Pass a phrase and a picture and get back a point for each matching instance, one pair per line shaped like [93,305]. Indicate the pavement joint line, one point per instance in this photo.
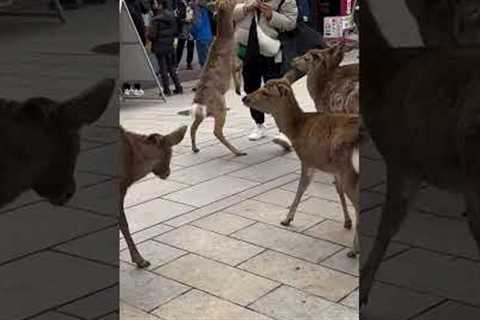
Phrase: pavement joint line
[115,312]
[170,300]
[35,252]
[137,204]
[428,309]
[76,316]
[66,253]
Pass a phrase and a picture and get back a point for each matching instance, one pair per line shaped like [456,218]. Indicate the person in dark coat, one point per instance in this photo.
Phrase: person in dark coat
[163,30]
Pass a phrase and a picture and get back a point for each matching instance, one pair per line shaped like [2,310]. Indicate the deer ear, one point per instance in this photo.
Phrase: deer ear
[176,136]
[88,106]
[283,88]
[153,138]
[36,108]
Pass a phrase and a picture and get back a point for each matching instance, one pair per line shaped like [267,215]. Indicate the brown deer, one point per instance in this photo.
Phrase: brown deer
[322,141]
[141,155]
[215,81]
[40,142]
[422,109]
[333,89]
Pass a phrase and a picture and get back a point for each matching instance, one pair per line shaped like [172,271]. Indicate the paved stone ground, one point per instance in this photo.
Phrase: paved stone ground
[62,263]
[212,229]
[432,268]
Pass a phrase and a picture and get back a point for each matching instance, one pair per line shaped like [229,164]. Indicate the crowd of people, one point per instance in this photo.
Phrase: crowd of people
[173,25]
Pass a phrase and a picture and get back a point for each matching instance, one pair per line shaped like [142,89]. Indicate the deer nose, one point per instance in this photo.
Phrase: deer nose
[245,100]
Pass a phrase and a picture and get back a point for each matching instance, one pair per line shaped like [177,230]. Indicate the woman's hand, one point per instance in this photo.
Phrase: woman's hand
[265,9]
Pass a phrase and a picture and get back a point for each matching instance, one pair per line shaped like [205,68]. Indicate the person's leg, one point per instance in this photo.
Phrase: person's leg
[252,81]
[172,70]
[190,50]
[162,67]
[180,47]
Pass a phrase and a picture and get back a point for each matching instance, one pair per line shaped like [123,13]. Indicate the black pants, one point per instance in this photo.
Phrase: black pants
[256,70]
[167,66]
[190,50]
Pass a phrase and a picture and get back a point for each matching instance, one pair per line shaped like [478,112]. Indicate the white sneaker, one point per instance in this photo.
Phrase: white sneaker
[138,92]
[128,92]
[282,141]
[257,133]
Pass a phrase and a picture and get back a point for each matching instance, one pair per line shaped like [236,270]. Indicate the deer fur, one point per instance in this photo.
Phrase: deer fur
[422,109]
[322,141]
[40,142]
[141,155]
[209,100]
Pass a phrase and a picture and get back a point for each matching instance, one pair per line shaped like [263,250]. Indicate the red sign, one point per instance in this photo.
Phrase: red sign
[346,7]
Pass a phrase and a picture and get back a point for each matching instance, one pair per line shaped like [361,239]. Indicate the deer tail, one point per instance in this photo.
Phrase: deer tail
[199,110]
[356,159]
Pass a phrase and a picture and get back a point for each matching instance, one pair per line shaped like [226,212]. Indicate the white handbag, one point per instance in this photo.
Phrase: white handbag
[269,47]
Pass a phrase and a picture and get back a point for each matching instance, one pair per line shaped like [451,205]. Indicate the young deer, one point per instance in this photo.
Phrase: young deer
[327,142]
[333,89]
[215,81]
[422,109]
[142,154]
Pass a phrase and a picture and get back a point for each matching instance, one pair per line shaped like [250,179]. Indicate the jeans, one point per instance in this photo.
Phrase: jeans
[167,66]
[262,68]
[190,50]
[202,50]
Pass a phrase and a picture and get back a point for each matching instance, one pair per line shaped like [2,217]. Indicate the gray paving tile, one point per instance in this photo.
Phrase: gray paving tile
[103,160]
[332,231]
[287,303]
[57,279]
[218,279]
[319,190]
[102,198]
[407,303]
[202,306]
[128,312]
[205,171]
[53,315]
[451,310]
[210,191]
[413,269]
[341,262]
[99,246]
[156,253]
[210,244]
[154,212]
[309,277]
[146,290]
[352,300]
[259,154]
[145,234]
[279,197]
[325,209]
[268,170]
[94,306]
[376,173]
[441,202]
[291,243]
[272,214]
[223,223]
[150,189]
[111,316]
[43,226]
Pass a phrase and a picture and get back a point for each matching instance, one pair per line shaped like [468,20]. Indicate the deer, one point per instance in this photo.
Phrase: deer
[40,142]
[433,95]
[215,80]
[141,155]
[333,89]
[323,141]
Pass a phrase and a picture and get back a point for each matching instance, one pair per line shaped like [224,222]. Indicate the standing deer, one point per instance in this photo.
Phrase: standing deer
[422,109]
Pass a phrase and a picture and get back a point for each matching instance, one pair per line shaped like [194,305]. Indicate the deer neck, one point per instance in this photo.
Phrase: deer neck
[225,27]
[287,117]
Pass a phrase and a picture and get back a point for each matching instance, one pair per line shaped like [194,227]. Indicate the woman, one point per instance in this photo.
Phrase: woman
[185,17]
[260,61]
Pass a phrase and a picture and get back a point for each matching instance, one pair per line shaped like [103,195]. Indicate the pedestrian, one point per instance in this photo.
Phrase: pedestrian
[185,17]
[137,10]
[260,49]
[162,34]
[202,30]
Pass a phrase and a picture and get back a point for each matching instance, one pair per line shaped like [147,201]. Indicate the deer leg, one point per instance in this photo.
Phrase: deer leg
[132,248]
[348,182]
[401,191]
[193,131]
[348,222]
[218,132]
[305,179]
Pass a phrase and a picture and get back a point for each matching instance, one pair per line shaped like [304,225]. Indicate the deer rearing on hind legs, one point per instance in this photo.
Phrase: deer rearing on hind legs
[322,141]
[216,78]
[422,109]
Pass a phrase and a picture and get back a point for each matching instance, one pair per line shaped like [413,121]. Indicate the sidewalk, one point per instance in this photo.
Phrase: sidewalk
[213,235]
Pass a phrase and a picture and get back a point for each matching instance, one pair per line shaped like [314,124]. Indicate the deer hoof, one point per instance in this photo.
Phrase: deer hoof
[142,263]
[240,154]
[285,222]
[195,150]
[348,225]
[352,254]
